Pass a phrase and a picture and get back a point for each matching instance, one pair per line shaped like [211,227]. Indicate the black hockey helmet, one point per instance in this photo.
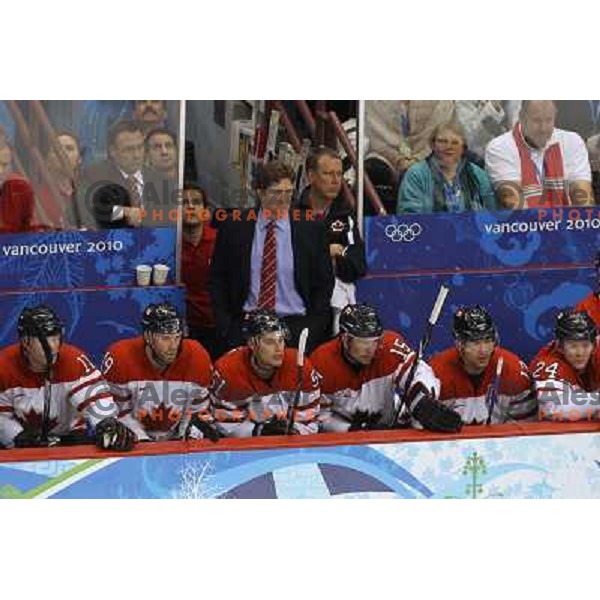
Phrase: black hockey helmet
[40,322]
[575,325]
[261,321]
[162,318]
[473,323]
[360,320]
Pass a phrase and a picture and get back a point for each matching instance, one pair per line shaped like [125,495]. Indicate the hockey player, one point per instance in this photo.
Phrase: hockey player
[481,380]
[50,391]
[159,379]
[565,371]
[364,373]
[591,303]
[257,385]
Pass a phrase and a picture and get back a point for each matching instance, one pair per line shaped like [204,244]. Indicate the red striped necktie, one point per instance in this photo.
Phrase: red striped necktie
[268,270]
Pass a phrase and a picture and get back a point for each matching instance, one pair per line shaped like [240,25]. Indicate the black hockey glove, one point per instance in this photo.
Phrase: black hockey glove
[365,420]
[27,439]
[111,434]
[432,415]
[206,430]
[271,426]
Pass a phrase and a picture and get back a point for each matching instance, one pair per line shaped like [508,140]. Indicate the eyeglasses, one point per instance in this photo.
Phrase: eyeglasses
[282,194]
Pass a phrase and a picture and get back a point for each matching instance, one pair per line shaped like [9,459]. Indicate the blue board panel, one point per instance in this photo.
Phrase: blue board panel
[523,304]
[93,318]
[482,240]
[75,259]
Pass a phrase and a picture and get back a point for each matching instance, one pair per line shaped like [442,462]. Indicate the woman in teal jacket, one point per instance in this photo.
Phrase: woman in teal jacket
[446,181]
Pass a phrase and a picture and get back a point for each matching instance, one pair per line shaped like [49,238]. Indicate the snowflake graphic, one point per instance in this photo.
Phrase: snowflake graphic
[197,481]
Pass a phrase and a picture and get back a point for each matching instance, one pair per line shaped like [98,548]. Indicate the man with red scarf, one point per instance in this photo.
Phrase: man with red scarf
[536,165]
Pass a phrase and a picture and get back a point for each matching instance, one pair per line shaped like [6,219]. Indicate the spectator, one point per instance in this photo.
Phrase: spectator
[17,204]
[161,153]
[400,130]
[197,246]
[446,181]
[120,191]
[538,165]
[150,114]
[482,120]
[63,211]
[593,146]
[275,259]
[346,247]
[6,160]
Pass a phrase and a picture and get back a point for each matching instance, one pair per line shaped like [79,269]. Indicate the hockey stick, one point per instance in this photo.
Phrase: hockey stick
[491,396]
[48,375]
[299,373]
[431,322]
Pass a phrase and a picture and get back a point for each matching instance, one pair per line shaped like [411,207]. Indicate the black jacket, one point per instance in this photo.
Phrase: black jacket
[230,269]
[342,228]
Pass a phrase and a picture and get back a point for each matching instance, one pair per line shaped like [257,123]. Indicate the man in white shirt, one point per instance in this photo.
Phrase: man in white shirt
[537,165]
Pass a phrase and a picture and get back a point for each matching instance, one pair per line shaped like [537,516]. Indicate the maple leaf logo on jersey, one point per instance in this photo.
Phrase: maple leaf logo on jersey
[32,421]
[160,418]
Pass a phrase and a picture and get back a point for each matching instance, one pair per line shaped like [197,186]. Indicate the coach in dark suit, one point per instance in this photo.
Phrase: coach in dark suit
[120,191]
[273,258]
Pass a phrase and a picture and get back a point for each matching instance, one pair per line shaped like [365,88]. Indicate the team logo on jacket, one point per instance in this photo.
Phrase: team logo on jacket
[403,232]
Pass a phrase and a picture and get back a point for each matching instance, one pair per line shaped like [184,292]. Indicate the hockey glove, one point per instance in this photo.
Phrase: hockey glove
[111,434]
[432,415]
[271,427]
[365,420]
[27,439]
[200,428]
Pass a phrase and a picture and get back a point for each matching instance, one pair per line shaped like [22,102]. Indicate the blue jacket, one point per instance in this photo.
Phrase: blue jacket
[422,192]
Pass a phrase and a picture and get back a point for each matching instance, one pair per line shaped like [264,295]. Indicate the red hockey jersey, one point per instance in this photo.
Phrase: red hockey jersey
[514,398]
[240,398]
[591,305]
[562,392]
[75,392]
[157,405]
[370,389]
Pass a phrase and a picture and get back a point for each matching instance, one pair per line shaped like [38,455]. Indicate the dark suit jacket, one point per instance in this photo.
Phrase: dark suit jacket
[342,228]
[230,270]
[104,188]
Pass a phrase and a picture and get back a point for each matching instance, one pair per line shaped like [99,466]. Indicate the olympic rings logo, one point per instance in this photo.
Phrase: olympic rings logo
[402,232]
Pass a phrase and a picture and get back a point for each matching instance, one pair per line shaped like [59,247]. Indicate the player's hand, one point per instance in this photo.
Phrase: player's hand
[111,434]
[335,250]
[132,215]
